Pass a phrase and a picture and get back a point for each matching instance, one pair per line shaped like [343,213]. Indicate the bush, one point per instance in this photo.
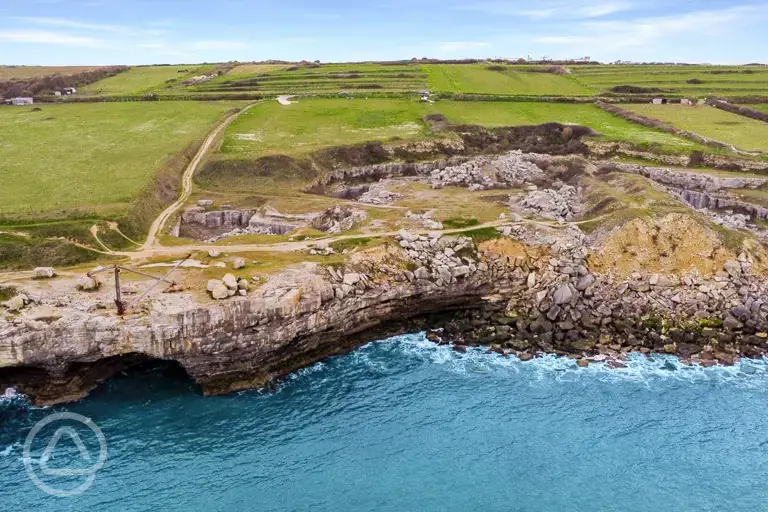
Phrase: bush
[694,81]
[633,89]
[459,223]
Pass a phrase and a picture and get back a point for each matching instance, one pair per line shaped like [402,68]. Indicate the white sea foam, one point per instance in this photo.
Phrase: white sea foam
[750,373]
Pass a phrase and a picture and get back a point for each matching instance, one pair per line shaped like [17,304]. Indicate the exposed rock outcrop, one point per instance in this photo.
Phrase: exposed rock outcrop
[533,291]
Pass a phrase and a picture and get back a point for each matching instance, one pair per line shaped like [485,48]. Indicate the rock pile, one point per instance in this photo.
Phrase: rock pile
[339,218]
[227,287]
[441,259]
[377,194]
[561,202]
[347,283]
[510,170]
[424,219]
[690,180]
[321,249]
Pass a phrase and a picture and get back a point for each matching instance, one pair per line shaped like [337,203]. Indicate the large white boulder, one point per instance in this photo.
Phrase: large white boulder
[45,272]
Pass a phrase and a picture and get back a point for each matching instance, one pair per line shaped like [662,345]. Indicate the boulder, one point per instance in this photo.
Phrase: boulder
[242,285]
[733,268]
[421,273]
[214,253]
[14,303]
[220,292]
[238,263]
[732,323]
[88,284]
[563,295]
[351,278]
[585,282]
[229,281]
[213,283]
[44,272]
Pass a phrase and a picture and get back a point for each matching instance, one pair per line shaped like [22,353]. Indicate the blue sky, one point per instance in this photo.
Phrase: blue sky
[64,32]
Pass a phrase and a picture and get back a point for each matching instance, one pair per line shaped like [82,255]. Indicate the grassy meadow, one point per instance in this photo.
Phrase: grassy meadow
[310,124]
[357,79]
[94,157]
[479,79]
[714,80]
[742,132]
[520,113]
[136,80]
[271,128]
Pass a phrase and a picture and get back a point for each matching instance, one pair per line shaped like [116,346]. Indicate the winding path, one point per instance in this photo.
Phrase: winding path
[186,181]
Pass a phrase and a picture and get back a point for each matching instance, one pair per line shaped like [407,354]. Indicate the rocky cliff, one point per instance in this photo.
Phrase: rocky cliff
[528,289]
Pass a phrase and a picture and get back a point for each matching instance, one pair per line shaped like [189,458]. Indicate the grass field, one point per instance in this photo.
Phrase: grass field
[245,69]
[514,113]
[356,79]
[136,80]
[92,157]
[310,124]
[715,80]
[14,72]
[740,131]
[271,128]
[477,78]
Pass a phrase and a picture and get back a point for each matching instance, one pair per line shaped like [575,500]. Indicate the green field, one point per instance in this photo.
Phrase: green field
[762,107]
[514,113]
[742,132]
[715,80]
[357,79]
[92,157]
[136,80]
[478,79]
[271,128]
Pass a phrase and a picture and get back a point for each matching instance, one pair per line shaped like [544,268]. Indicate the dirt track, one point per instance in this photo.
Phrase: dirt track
[186,183]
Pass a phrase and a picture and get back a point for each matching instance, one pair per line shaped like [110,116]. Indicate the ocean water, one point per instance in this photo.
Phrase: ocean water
[406,425]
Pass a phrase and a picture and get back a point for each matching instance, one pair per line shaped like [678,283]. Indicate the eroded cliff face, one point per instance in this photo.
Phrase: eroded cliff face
[238,344]
[531,289]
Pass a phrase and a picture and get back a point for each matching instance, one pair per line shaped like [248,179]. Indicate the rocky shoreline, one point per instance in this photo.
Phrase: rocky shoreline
[527,292]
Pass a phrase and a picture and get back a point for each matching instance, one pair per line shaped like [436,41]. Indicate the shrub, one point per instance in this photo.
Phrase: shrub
[633,89]
[695,81]
[459,223]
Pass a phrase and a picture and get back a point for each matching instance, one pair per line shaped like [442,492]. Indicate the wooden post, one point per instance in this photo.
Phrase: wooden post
[118,296]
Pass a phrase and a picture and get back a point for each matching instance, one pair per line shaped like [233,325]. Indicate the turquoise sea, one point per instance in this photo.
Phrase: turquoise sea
[406,425]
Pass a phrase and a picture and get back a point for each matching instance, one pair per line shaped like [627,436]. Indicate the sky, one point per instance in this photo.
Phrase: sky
[96,32]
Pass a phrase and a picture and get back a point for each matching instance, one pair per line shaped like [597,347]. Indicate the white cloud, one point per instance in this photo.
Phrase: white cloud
[46,37]
[63,22]
[219,45]
[648,31]
[552,10]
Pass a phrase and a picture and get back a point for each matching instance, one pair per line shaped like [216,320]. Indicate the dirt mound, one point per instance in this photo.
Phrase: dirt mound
[674,244]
